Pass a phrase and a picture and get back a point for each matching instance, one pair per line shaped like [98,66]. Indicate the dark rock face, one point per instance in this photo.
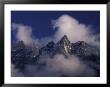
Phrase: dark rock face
[64,45]
[84,50]
[88,54]
[22,55]
[47,50]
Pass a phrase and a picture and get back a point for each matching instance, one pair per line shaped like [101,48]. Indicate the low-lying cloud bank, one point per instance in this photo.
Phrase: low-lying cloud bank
[57,66]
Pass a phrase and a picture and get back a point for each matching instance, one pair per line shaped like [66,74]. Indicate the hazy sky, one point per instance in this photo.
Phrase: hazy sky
[41,21]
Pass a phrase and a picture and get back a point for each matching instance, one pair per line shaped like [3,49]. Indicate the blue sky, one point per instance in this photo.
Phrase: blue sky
[40,21]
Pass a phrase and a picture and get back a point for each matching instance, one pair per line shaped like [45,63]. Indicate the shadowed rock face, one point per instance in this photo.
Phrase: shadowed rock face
[64,45]
[22,55]
[81,48]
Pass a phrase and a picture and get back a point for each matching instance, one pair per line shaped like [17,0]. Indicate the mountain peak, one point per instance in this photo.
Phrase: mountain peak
[64,40]
[64,45]
[64,37]
[82,43]
[20,44]
[50,44]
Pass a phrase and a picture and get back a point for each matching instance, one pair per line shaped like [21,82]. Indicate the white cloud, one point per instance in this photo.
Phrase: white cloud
[24,33]
[67,25]
[70,66]
[66,66]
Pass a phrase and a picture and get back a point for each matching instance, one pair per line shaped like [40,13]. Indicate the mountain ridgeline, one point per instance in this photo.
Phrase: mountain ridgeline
[22,55]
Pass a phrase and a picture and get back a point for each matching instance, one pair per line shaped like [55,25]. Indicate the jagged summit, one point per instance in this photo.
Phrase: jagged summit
[64,39]
[18,45]
[20,42]
[64,45]
[83,49]
[50,44]
[82,43]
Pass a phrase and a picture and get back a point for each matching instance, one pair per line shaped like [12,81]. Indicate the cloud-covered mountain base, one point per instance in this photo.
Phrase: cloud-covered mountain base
[57,66]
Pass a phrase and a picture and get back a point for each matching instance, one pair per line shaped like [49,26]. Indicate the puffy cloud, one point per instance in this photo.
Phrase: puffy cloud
[24,33]
[67,25]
